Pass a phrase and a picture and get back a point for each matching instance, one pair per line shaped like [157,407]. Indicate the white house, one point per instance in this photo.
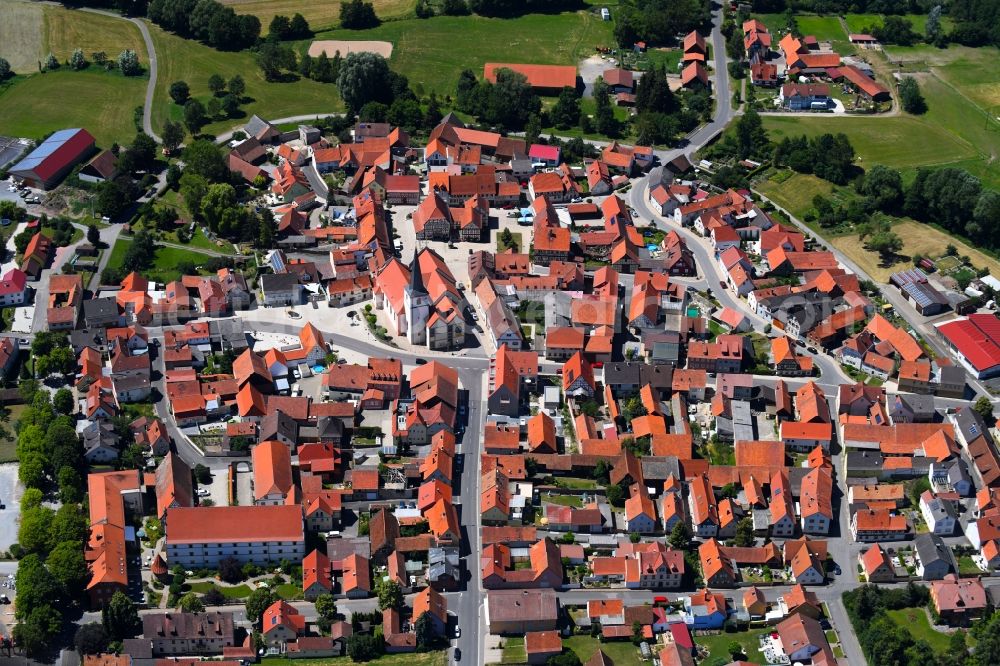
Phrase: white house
[939,514]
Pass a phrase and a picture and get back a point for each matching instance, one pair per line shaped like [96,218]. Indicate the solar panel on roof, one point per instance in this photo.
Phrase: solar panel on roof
[45,149]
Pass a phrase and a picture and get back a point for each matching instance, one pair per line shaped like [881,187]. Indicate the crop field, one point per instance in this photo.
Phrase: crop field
[101,101]
[190,61]
[22,35]
[900,142]
[432,52]
[321,15]
[68,29]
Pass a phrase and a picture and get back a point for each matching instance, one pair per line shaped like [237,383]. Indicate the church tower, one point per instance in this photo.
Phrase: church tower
[417,305]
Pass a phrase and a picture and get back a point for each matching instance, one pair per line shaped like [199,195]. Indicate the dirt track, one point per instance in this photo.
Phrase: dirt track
[331,46]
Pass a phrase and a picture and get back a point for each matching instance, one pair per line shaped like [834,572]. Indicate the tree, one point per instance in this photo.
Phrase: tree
[932,29]
[615,494]
[985,408]
[405,112]
[173,135]
[604,115]
[299,27]
[128,63]
[37,629]
[205,159]
[273,58]
[389,594]
[680,536]
[454,8]
[886,242]
[910,97]
[180,92]
[90,638]
[894,30]
[121,618]
[203,474]
[114,197]
[237,86]
[190,603]
[195,116]
[258,602]
[34,533]
[219,198]
[358,15]
[68,566]
[566,112]
[364,77]
[63,399]
[735,650]
[882,186]
[365,647]
[424,629]
[280,27]
[216,84]
[751,138]
[51,62]
[77,60]
[5,70]
[230,570]
[744,532]
[326,606]
[213,108]
[230,105]
[93,234]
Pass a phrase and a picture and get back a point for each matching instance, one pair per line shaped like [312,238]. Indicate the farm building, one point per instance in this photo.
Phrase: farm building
[46,165]
[976,341]
[542,78]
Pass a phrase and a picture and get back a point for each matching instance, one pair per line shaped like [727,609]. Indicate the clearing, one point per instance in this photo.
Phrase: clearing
[915,621]
[321,15]
[431,52]
[165,265]
[187,60]
[918,238]
[348,46]
[22,35]
[622,653]
[102,102]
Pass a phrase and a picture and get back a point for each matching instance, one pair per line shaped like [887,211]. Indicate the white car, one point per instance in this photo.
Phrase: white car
[458,632]
[203,492]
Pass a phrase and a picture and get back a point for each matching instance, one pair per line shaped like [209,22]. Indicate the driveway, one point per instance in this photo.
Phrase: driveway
[590,69]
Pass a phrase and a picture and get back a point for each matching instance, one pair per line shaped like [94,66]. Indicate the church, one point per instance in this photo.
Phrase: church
[423,301]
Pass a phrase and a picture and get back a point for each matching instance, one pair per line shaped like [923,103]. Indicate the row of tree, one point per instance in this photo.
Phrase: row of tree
[507,104]
[829,156]
[207,20]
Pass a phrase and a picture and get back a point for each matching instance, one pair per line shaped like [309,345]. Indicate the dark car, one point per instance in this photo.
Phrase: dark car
[458,654]
[722,283]
[421,361]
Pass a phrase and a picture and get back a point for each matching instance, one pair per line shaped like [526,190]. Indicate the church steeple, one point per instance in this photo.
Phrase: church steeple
[416,279]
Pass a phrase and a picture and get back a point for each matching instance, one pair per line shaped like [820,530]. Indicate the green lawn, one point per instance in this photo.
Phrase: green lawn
[201,242]
[575,483]
[164,267]
[289,591]
[915,621]
[718,645]
[230,592]
[102,102]
[795,194]
[193,62]
[432,52]
[622,653]
[8,443]
[823,28]
[564,500]
[513,651]
[439,658]
[862,22]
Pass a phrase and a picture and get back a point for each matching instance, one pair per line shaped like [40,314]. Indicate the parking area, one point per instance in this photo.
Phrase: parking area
[217,490]
[10,500]
[244,485]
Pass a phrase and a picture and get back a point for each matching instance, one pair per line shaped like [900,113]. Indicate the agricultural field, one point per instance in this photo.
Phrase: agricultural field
[902,141]
[22,35]
[321,15]
[102,102]
[861,22]
[432,52]
[68,29]
[191,61]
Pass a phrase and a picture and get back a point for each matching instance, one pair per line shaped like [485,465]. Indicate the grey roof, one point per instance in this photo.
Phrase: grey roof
[278,424]
[660,468]
[279,282]
[87,337]
[256,125]
[100,308]
[951,374]
[98,434]
[330,427]
[958,471]
[918,403]
[931,548]
[744,425]
[443,562]
[131,383]
[941,509]
[971,426]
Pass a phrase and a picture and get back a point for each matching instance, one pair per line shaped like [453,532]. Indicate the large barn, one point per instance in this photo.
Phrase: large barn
[55,157]
[544,79]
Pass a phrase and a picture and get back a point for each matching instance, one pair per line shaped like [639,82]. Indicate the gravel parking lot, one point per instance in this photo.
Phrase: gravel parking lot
[10,497]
